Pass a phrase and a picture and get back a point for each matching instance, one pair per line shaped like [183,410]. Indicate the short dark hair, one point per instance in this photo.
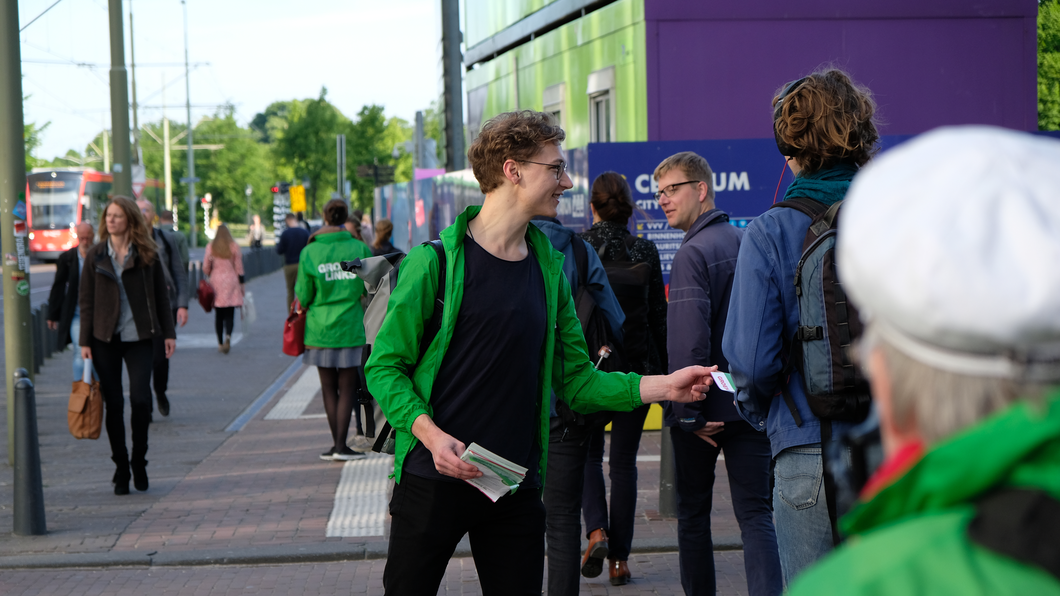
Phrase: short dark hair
[335,212]
[290,216]
[611,198]
[166,216]
[511,135]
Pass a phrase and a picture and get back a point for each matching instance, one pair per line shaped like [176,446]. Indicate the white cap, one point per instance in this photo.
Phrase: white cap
[950,244]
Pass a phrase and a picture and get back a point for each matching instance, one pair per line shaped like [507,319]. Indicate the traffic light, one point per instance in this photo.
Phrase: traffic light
[280,188]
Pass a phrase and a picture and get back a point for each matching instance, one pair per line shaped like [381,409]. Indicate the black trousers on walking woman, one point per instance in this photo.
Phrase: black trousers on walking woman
[224,321]
[107,358]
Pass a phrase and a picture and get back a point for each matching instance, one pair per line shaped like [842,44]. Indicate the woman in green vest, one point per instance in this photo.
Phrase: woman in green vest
[334,330]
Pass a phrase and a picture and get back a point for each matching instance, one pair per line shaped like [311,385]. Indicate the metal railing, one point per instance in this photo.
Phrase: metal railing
[256,262]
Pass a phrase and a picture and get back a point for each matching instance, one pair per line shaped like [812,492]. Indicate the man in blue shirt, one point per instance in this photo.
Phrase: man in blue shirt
[290,245]
[700,284]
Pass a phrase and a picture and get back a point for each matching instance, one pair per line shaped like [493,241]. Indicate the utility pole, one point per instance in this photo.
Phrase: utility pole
[340,151]
[18,340]
[106,149]
[452,85]
[167,166]
[132,72]
[119,102]
[191,179]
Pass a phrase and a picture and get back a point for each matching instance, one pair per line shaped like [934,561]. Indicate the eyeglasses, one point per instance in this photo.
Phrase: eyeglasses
[558,168]
[670,190]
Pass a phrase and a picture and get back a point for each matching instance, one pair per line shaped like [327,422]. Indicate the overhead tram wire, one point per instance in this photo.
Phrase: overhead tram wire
[39,16]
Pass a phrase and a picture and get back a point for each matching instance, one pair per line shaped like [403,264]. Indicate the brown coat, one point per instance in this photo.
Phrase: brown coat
[145,287]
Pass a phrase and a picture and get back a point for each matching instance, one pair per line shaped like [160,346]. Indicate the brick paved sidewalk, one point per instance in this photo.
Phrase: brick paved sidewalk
[653,574]
[257,495]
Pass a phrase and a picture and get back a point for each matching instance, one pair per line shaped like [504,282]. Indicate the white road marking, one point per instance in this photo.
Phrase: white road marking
[360,498]
[294,402]
[202,340]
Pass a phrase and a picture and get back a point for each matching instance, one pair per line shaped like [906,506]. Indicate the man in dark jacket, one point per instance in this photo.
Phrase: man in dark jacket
[64,314]
[177,281]
[700,284]
[290,245]
[568,442]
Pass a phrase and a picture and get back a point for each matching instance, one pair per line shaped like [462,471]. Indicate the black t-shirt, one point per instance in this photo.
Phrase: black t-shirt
[486,391]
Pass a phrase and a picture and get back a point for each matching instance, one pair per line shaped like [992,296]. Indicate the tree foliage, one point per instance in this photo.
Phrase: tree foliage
[1049,65]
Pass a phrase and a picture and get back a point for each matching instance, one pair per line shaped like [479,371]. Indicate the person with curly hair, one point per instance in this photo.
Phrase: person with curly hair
[508,336]
[124,304]
[823,124]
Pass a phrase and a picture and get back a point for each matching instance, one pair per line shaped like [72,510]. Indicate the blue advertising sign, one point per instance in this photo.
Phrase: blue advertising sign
[749,176]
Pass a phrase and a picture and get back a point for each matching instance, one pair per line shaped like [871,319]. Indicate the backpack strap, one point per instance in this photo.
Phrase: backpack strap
[581,259]
[1019,523]
[810,207]
[430,331]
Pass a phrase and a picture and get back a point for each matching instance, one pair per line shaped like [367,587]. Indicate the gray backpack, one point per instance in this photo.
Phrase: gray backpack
[828,324]
[380,276]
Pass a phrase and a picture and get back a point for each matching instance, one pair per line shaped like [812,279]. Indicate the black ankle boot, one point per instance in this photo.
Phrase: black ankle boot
[139,472]
[121,476]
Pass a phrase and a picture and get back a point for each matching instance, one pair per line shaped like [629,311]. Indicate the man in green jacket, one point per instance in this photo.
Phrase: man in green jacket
[949,246]
[509,333]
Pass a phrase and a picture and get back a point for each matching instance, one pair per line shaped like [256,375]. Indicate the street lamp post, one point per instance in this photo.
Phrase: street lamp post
[191,179]
[248,191]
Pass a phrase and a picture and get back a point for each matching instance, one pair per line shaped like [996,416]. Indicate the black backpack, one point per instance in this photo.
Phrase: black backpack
[594,322]
[828,324]
[629,281]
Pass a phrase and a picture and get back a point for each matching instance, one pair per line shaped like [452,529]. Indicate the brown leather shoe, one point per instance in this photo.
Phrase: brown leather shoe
[593,561]
[618,571]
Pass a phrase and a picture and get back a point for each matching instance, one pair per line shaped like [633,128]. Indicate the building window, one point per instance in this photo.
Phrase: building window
[552,100]
[602,113]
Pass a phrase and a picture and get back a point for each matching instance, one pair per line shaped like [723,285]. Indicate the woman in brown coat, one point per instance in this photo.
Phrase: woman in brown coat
[124,305]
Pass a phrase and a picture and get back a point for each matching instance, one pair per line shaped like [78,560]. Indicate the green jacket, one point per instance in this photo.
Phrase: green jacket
[911,537]
[333,296]
[565,364]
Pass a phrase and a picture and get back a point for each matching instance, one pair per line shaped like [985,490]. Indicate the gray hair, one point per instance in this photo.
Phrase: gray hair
[939,403]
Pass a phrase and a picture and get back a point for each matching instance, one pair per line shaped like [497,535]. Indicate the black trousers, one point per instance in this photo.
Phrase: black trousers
[107,358]
[161,363]
[224,321]
[568,447]
[431,516]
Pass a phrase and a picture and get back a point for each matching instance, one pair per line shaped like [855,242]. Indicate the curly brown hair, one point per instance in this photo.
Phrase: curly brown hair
[826,118]
[138,230]
[511,135]
[612,198]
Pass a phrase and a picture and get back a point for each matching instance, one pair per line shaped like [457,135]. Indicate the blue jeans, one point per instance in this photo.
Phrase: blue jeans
[804,533]
[567,449]
[79,362]
[626,429]
[747,459]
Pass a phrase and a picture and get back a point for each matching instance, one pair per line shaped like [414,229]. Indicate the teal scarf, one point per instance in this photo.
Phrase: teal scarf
[827,186]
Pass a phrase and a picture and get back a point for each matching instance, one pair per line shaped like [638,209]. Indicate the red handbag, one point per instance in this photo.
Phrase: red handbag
[206,295]
[294,330]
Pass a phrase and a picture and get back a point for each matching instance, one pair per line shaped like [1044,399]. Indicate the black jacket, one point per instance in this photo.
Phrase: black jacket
[62,301]
[145,286]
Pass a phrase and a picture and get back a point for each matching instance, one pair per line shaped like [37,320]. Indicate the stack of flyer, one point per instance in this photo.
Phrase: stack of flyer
[499,476]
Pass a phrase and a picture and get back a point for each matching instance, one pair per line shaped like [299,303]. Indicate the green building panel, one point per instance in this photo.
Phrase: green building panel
[611,37]
[485,18]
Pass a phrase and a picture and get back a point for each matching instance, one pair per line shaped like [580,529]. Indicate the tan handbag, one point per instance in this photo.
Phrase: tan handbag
[85,412]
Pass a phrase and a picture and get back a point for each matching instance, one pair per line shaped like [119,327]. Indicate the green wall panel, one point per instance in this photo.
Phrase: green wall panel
[612,36]
[485,18]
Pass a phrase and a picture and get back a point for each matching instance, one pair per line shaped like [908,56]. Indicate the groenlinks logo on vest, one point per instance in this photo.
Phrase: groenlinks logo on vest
[332,272]
[22,288]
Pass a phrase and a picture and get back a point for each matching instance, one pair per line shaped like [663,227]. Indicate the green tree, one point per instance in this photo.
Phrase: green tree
[31,135]
[1049,65]
[306,145]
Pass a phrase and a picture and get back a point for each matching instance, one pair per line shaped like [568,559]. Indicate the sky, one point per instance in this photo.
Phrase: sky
[249,53]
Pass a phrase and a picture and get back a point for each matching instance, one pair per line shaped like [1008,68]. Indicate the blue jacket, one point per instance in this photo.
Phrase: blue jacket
[600,289]
[700,282]
[291,243]
[763,311]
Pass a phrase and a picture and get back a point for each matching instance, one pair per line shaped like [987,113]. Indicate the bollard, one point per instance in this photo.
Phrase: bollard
[38,356]
[667,490]
[29,491]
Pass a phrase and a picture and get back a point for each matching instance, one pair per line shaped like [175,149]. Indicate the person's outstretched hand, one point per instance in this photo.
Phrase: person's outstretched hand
[687,385]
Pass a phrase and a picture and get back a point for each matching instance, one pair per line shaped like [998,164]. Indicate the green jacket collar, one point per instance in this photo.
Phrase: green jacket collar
[339,235]
[1019,446]
[536,239]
